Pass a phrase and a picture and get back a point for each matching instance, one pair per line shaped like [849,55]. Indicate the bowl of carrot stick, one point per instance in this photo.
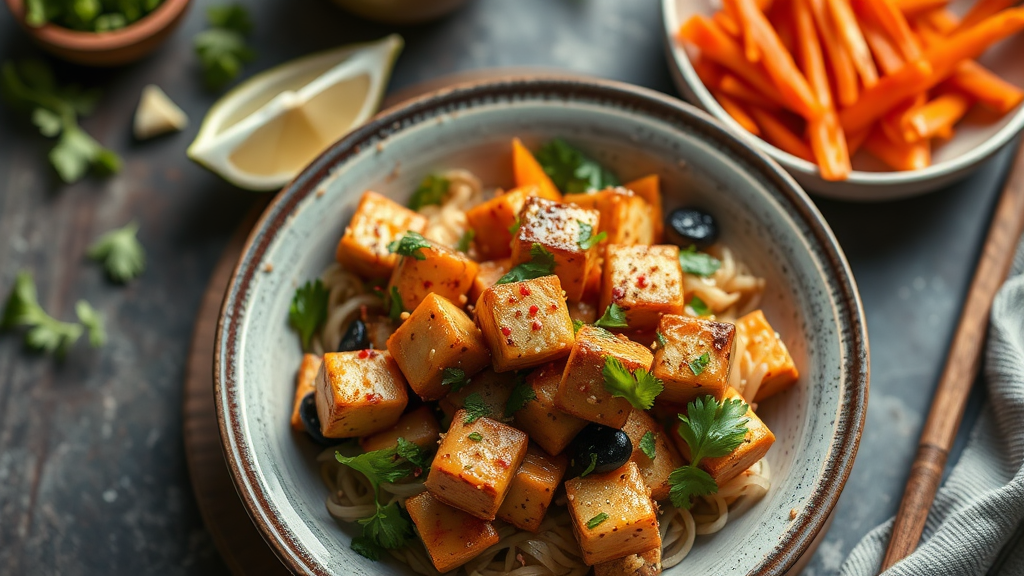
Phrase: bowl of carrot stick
[858,99]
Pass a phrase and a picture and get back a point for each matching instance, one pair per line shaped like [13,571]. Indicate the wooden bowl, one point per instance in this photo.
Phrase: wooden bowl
[114,48]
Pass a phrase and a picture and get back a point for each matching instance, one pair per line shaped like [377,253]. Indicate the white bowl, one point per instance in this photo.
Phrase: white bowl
[978,136]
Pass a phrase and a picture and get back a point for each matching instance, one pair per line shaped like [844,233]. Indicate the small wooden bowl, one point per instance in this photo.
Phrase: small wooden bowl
[105,48]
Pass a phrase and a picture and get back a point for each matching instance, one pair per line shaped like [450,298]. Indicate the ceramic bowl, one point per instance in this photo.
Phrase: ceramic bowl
[980,135]
[400,12]
[114,48]
[811,298]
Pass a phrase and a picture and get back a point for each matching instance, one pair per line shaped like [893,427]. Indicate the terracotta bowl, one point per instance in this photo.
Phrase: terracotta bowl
[811,298]
[401,12]
[122,46]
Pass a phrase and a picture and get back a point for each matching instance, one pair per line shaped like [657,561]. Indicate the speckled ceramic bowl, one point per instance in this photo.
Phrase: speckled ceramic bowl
[811,299]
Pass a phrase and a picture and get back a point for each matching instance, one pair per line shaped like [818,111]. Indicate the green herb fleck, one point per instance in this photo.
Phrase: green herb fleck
[576,325]
[698,364]
[521,394]
[222,48]
[93,323]
[120,252]
[590,467]
[87,15]
[699,307]
[647,444]
[466,240]
[698,263]
[308,310]
[410,244]
[475,407]
[571,170]
[431,191]
[395,305]
[660,338]
[586,239]
[454,377]
[476,437]
[513,228]
[613,317]
[541,263]
[596,521]
[45,333]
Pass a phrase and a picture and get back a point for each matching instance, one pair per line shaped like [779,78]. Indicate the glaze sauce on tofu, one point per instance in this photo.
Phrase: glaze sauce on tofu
[489,372]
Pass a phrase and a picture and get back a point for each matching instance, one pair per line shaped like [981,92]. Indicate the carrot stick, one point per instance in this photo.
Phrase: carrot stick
[889,17]
[750,48]
[890,91]
[990,90]
[885,52]
[899,155]
[983,9]
[911,7]
[855,140]
[812,61]
[780,136]
[736,89]
[779,63]
[710,74]
[969,43]
[892,122]
[853,39]
[942,21]
[735,109]
[934,118]
[727,22]
[781,19]
[839,60]
[828,144]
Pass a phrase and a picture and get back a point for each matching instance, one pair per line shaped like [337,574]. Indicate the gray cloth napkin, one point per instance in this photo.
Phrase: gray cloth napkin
[975,527]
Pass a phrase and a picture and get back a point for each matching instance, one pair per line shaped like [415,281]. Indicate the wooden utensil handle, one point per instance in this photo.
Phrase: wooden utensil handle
[925,477]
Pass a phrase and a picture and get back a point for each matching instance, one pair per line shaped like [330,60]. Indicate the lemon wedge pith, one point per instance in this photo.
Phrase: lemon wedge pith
[262,133]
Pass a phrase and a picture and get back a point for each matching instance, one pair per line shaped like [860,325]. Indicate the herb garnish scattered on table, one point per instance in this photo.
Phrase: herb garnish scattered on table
[222,48]
[46,333]
[120,252]
[88,15]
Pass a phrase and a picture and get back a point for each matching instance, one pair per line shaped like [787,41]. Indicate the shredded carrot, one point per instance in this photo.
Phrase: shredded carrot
[852,38]
[890,91]
[885,52]
[735,109]
[911,7]
[828,144]
[988,89]
[889,17]
[738,90]
[899,155]
[935,118]
[983,9]
[840,63]
[779,135]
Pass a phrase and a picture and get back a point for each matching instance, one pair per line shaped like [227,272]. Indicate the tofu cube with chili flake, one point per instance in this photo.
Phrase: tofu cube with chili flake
[646,564]
[533,487]
[754,447]
[492,388]
[451,536]
[359,393]
[626,217]
[581,392]
[305,382]
[526,324]
[612,514]
[437,335]
[475,464]
[377,222]
[548,426]
[655,471]
[442,271]
[487,275]
[494,219]
[557,227]
[681,363]
[645,281]
[419,427]
[765,346]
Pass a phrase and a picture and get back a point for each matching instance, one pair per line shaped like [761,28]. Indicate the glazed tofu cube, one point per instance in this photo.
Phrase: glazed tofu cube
[765,345]
[724,468]
[612,514]
[305,382]
[376,223]
[493,220]
[525,323]
[487,275]
[548,426]
[655,471]
[451,536]
[646,564]
[645,281]
[533,487]
[359,393]
[437,335]
[419,427]
[626,217]
[492,388]
[558,228]
[581,391]
[475,464]
[680,361]
[442,271]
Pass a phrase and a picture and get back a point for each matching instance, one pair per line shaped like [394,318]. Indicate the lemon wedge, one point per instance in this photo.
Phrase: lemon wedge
[157,114]
[262,133]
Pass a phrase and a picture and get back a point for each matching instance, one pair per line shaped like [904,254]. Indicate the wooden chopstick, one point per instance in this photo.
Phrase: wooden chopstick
[961,368]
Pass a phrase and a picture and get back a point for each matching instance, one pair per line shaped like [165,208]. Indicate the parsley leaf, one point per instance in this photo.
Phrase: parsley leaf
[379,466]
[521,394]
[388,527]
[466,240]
[576,325]
[590,467]
[613,317]
[587,239]
[414,454]
[688,482]
[308,310]
[699,307]
[698,263]
[541,263]
[93,323]
[431,191]
[475,407]
[395,305]
[711,430]
[410,244]
[222,49]
[660,339]
[45,333]
[454,377]
[698,364]
[120,252]
[571,170]
[476,437]
[647,444]
[596,520]
[640,388]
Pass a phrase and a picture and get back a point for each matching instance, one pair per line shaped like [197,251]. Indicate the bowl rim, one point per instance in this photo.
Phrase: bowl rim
[90,42]
[854,338]
[695,88]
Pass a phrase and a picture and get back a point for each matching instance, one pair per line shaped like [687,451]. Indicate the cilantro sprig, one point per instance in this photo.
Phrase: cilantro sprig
[410,244]
[613,317]
[698,263]
[308,310]
[521,394]
[587,239]
[639,387]
[541,263]
[454,377]
[431,191]
[571,170]
[222,48]
[120,252]
[46,333]
[475,407]
[711,430]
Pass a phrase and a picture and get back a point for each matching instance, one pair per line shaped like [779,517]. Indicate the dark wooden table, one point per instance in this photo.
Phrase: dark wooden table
[92,470]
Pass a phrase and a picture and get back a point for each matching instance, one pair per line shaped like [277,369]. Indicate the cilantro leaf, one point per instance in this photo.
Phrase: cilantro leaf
[475,407]
[576,325]
[688,482]
[587,239]
[395,305]
[571,170]
[640,388]
[698,364]
[590,467]
[388,528]
[521,394]
[513,228]
[45,333]
[647,444]
[454,377]
[698,263]
[431,191]
[379,466]
[413,454]
[699,307]
[712,430]
[613,317]
[222,49]
[93,323]
[466,240]
[308,310]
[410,244]
[596,520]
[660,339]
[366,548]
[541,263]
[120,252]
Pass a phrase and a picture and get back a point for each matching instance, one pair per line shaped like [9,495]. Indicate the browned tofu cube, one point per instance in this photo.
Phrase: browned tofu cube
[645,281]
[376,223]
[694,359]
[612,514]
[582,392]
[492,388]
[488,274]
[442,271]
[437,335]
[451,536]
[533,487]
[646,564]
[626,217]
[558,228]
[305,382]
[548,426]
[724,468]
[475,464]
[359,393]
[525,323]
[419,427]
[765,345]
[655,471]
[493,220]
